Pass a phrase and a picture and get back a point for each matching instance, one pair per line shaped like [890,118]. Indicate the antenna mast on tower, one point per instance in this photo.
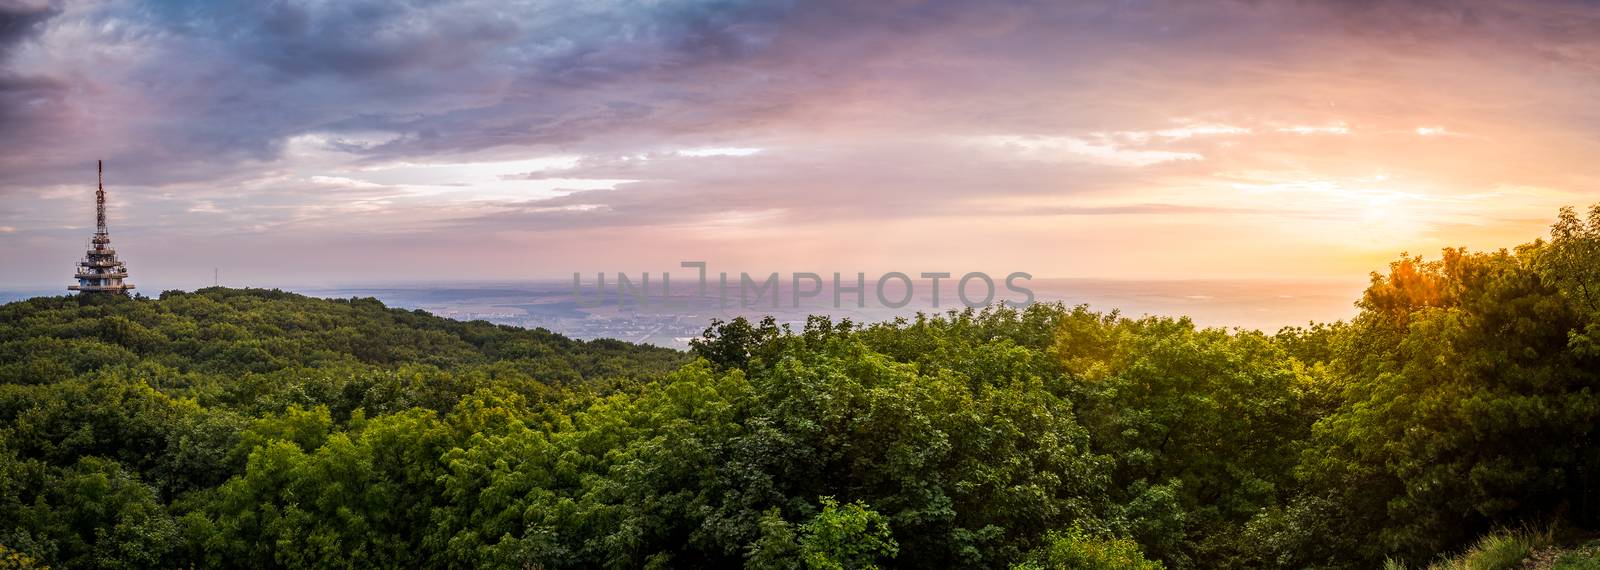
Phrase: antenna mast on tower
[100,200]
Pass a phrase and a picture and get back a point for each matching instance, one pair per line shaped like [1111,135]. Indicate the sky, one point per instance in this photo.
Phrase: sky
[309,142]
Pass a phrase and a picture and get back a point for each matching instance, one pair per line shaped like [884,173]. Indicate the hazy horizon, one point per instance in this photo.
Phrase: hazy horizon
[1260,304]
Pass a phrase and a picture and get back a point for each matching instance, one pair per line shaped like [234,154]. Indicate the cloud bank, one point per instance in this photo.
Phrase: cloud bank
[296,141]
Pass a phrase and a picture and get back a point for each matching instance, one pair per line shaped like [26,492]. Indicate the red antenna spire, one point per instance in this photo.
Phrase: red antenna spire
[100,200]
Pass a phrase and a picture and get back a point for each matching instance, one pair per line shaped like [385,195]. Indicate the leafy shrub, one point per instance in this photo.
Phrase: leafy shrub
[1077,550]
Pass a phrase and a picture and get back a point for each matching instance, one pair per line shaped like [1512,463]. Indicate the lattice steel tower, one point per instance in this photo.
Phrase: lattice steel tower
[100,272]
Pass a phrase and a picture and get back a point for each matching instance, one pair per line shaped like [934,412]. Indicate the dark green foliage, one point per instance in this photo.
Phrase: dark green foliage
[138,432]
[223,428]
[231,331]
[91,514]
[1466,407]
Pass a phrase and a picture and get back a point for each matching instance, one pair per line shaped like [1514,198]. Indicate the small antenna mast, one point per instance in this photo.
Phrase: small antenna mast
[100,200]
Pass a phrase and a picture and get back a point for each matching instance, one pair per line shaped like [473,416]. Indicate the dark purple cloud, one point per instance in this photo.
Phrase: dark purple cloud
[215,84]
[20,21]
[25,100]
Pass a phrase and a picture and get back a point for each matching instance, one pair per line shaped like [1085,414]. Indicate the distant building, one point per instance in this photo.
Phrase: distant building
[100,272]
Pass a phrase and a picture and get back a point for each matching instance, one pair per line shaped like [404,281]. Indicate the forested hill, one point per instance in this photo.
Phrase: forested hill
[233,331]
[251,428]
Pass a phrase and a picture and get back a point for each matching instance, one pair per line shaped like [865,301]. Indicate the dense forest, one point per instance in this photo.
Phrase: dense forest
[261,428]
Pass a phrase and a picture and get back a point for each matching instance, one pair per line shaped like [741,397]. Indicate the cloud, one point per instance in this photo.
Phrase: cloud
[19,21]
[212,85]
[25,99]
[1335,129]
[462,122]
[718,151]
[1070,148]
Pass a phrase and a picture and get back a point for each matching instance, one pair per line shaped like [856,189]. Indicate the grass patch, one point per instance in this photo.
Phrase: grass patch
[1586,557]
[1503,550]
[1494,552]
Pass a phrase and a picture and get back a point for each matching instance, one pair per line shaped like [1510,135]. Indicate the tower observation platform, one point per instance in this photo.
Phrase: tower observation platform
[100,273]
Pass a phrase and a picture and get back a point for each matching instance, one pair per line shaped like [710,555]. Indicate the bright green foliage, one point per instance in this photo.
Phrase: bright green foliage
[13,560]
[846,537]
[1204,423]
[352,500]
[1077,550]
[222,427]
